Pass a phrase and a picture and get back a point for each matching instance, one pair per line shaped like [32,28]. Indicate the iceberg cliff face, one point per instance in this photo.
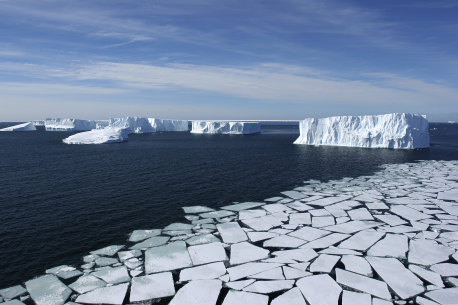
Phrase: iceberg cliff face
[396,130]
[169,125]
[135,124]
[21,127]
[222,127]
[72,124]
[98,136]
[143,125]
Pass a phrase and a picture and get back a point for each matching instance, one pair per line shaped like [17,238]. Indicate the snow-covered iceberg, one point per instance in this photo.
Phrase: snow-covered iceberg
[395,130]
[73,124]
[225,127]
[99,136]
[20,127]
[143,125]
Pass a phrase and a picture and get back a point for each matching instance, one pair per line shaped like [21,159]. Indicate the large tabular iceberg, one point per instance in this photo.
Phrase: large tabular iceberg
[143,125]
[73,124]
[99,136]
[224,127]
[21,127]
[395,130]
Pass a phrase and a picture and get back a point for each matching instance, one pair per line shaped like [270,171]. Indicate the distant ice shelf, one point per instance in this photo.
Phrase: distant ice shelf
[21,127]
[395,130]
[144,125]
[99,136]
[59,124]
[225,127]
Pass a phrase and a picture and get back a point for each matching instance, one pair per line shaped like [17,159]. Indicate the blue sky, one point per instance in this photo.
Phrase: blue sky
[228,59]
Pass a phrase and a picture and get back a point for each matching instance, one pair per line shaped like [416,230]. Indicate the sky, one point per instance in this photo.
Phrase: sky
[227,59]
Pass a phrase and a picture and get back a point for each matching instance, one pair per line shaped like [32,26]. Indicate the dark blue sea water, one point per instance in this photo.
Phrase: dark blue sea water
[58,202]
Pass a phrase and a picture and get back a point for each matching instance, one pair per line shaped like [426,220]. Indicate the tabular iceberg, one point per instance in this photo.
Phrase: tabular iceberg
[99,136]
[395,130]
[143,125]
[169,125]
[73,124]
[21,127]
[223,127]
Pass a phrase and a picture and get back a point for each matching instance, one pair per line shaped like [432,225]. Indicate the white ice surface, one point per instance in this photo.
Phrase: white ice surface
[234,297]
[224,127]
[152,286]
[207,253]
[112,295]
[20,127]
[324,263]
[146,125]
[396,130]
[242,271]
[320,289]
[356,264]
[356,298]
[204,272]
[448,296]
[59,124]
[266,287]
[113,275]
[362,240]
[428,252]
[12,292]
[231,232]
[393,245]
[290,297]
[363,283]
[168,257]
[48,290]
[245,252]
[201,292]
[98,136]
[404,283]
[87,283]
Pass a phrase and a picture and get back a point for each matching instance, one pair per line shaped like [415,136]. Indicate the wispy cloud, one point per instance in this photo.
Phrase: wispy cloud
[270,82]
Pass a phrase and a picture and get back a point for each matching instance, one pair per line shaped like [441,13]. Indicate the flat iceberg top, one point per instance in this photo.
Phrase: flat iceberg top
[225,127]
[68,124]
[98,136]
[21,127]
[395,130]
[144,125]
[277,253]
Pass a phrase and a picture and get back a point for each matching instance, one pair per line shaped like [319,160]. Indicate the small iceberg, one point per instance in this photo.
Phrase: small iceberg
[395,130]
[21,127]
[98,136]
[225,127]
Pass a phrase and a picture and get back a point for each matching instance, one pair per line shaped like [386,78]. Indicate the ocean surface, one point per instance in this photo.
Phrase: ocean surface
[58,201]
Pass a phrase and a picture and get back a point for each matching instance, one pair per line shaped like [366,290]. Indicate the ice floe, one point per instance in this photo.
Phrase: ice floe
[404,283]
[320,289]
[152,286]
[48,290]
[112,295]
[234,297]
[384,238]
[200,292]
[165,258]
